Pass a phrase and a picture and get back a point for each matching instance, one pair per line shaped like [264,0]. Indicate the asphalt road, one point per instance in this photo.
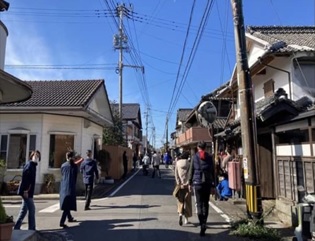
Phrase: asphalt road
[142,208]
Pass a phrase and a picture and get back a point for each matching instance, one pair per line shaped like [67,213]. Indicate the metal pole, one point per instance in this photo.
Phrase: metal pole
[248,119]
[120,65]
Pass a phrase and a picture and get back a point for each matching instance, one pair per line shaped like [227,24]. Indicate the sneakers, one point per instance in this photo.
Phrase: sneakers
[180,221]
[186,220]
[63,225]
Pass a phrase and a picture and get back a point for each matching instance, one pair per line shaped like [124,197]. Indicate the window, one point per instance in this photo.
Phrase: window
[14,149]
[304,73]
[59,145]
[3,147]
[269,88]
[293,137]
[17,150]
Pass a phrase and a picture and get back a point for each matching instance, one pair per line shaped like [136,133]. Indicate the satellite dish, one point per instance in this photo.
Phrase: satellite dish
[206,113]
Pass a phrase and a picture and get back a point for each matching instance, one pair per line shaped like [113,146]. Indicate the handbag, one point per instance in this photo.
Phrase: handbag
[176,190]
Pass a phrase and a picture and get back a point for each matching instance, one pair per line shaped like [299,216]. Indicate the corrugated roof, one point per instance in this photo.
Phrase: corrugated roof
[60,93]
[286,38]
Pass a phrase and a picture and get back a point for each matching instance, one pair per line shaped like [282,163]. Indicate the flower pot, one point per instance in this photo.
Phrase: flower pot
[6,231]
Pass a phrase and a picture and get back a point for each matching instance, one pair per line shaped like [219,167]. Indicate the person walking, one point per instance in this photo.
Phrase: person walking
[156,159]
[183,195]
[26,191]
[201,175]
[134,160]
[89,169]
[125,164]
[68,199]
[145,164]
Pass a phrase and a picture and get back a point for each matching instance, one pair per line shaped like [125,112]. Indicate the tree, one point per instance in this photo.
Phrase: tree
[113,135]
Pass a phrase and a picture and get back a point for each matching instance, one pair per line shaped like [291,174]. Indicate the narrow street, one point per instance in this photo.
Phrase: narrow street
[142,208]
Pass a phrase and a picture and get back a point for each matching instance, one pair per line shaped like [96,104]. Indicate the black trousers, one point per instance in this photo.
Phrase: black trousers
[202,196]
[65,214]
[88,194]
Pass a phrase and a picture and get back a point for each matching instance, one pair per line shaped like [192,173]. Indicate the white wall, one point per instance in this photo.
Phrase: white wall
[42,125]
[294,150]
[3,41]
[280,78]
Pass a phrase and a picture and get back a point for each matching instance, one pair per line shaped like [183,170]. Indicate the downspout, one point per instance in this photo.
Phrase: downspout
[285,71]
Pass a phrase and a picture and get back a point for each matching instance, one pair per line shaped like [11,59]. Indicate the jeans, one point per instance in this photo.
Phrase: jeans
[27,205]
[202,195]
[88,194]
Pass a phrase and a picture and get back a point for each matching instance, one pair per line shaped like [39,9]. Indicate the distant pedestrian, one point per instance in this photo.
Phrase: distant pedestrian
[184,207]
[167,159]
[68,199]
[201,180]
[89,169]
[228,157]
[156,164]
[26,191]
[125,164]
[145,164]
[134,160]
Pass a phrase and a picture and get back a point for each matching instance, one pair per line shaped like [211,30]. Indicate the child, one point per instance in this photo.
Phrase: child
[223,189]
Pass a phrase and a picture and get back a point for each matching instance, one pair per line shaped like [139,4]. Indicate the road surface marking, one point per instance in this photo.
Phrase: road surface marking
[11,205]
[220,212]
[50,209]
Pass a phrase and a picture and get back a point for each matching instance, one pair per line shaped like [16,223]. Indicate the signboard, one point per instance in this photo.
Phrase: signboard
[245,168]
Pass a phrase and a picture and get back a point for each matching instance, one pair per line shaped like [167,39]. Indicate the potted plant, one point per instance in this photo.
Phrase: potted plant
[6,224]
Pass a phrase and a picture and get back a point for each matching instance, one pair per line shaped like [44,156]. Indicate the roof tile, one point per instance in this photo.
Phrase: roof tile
[62,93]
[295,38]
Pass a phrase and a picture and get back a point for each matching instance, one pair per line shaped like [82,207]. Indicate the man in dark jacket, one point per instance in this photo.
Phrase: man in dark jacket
[88,168]
[68,198]
[26,191]
[201,180]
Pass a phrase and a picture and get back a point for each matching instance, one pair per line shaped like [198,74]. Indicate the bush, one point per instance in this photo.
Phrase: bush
[246,228]
[4,218]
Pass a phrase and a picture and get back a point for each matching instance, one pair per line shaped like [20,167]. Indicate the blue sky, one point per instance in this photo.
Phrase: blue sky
[67,40]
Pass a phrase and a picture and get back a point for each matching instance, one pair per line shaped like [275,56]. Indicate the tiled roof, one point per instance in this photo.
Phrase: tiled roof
[286,38]
[68,93]
[182,114]
[219,123]
[129,110]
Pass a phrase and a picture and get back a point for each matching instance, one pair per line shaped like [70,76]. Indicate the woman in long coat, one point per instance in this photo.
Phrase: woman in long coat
[184,206]
[68,199]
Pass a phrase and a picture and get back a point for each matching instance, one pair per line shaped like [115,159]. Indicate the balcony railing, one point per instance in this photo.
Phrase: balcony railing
[193,135]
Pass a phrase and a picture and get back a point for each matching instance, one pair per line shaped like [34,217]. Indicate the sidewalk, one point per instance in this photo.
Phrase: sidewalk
[235,209]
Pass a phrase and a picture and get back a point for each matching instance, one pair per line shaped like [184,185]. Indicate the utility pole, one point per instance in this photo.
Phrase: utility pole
[166,135]
[120,43]
[248,118]
[146,131]
[153,137]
